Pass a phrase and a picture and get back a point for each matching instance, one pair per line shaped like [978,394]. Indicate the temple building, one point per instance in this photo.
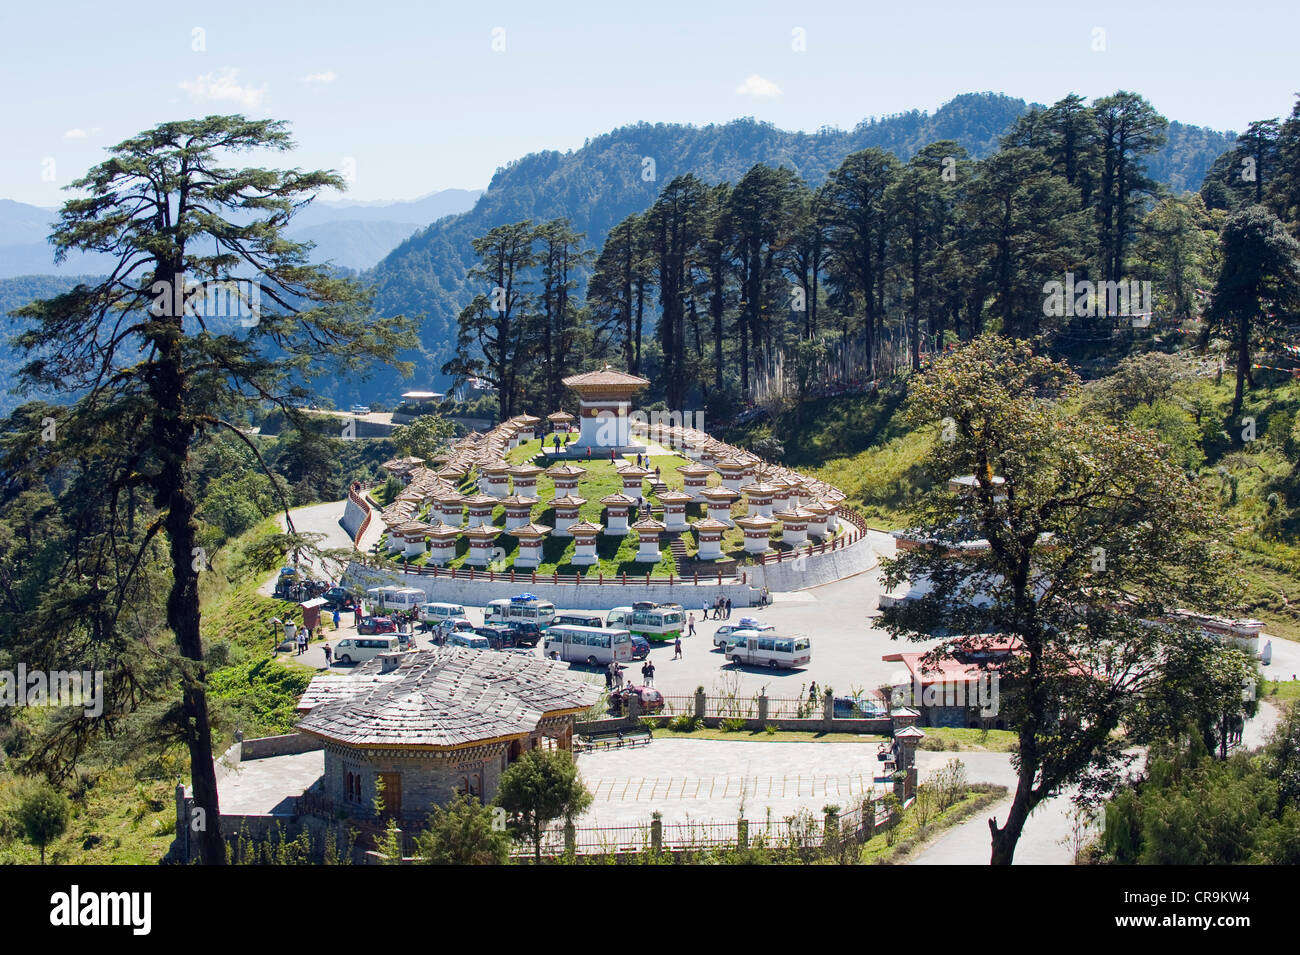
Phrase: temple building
[604,403]
[429,724]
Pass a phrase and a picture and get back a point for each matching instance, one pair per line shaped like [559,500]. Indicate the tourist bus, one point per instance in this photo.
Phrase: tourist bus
[435,613]
[594,646]
[392,597]
[768,649]
[579,618]
[524,608]
[661,623]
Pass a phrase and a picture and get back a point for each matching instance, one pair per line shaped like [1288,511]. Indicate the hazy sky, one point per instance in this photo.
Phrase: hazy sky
[413,97]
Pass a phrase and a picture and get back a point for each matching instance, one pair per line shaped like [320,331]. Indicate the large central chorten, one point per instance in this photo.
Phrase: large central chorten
[605,399]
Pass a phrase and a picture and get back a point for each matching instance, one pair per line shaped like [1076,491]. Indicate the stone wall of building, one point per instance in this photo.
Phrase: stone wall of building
[428,779]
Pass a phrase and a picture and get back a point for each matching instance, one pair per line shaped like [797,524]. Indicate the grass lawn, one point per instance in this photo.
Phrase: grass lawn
[960,739]
[1281,691]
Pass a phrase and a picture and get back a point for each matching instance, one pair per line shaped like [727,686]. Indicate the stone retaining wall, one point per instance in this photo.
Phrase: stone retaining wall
[587,596]
[810,571]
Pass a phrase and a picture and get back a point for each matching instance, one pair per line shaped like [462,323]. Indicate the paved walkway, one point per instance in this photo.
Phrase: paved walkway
[715,780]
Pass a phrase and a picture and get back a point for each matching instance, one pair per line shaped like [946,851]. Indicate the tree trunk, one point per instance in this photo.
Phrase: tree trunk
[172,435]
[1006,837]
[1243,363]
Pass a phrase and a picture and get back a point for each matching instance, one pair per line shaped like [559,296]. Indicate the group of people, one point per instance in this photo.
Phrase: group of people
[613,675]
[300,636]
[721,609]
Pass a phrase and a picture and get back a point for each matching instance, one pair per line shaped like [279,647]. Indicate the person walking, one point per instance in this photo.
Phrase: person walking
[649,673]
[690,625]
[337,617]
[328,654]
[677,649]
[704,610]
[645,670]
[812,692]
[728,617]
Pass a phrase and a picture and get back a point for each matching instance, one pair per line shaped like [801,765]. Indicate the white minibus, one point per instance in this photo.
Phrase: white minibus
[434,614]
[768,649]
[578,618]
[594,646]
[524,608]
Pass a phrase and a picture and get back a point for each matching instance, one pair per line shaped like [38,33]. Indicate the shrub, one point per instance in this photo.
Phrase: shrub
[685,723]
[732,725]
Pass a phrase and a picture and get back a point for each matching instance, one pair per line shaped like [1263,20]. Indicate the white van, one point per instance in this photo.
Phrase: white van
[434,614]
[768,649]
[618,616]
[361,649]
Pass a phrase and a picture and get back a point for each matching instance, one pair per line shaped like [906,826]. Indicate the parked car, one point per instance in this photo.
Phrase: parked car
[361,409]
[525,634]
[468,639]
[498,638]
[640,647]
[339,598]
[377,625]
[856,708]
[450,626]
[650,699]
[725,632]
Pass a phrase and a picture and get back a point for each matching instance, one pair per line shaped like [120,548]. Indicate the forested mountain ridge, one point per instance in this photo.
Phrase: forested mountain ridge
[621,172]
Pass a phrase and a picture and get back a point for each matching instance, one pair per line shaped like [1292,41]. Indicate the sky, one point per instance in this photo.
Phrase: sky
[408,98]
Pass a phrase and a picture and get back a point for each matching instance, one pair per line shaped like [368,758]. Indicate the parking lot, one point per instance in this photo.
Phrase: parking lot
[846,648]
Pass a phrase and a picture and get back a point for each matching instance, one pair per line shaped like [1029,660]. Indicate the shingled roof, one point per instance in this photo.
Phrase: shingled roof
[444,698]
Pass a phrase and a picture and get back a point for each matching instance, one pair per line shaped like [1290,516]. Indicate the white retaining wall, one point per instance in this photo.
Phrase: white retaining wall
[815,569]
[353,515]
[477,593]
[812,571]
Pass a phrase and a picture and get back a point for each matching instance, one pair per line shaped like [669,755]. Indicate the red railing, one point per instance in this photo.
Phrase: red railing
[355,495]
[835,543]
